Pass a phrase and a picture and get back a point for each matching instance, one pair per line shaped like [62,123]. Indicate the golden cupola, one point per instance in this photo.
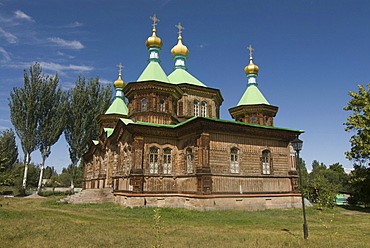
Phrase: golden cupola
[251,68]
[154,40]
[180,48]
[119,83]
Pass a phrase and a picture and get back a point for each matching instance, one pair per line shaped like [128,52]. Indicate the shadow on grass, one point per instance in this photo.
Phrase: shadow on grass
[356,208]
[288,231]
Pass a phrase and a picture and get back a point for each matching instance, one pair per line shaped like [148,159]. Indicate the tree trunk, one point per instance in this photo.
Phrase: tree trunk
[72,187]
[44,156]
[24,182]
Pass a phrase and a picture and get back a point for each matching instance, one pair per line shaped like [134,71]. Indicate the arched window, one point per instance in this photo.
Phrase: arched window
[161,105]
[196,108]
[189,160]
[143,104]
[266,162]
[234,160]
[153,160]
[167,161]
[254,120]
[204,109]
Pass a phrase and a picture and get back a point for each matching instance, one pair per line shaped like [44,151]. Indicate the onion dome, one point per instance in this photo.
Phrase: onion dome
[251,68]
[180,48]
[119,83]
[154,40]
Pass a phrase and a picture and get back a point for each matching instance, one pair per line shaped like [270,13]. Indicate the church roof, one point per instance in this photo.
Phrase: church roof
[117,107]
[212,119]
[252,96]
[153,71]
[179,76]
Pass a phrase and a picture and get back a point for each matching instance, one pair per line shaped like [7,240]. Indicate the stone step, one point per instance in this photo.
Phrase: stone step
[91,196]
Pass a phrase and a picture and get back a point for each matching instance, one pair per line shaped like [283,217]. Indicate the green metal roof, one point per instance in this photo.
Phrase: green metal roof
[179,76]
[214,119]
[252,96]
[117,107]
[109,131]
[153,71]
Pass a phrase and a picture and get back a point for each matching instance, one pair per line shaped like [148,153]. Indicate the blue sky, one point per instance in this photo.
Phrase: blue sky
[310,54]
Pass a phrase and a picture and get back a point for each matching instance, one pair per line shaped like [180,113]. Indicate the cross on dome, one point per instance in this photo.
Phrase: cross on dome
[180,28]
[120,66]
[250,50]
[155,20]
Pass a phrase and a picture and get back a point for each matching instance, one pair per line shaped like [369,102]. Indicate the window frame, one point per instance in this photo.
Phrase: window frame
[234,160]
[153,160]
[266,162]
[167,160]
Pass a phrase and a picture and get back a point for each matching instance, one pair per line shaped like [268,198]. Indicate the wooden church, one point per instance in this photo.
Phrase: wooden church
[163,143]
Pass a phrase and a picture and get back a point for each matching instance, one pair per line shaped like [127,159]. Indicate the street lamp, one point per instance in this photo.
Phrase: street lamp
[297,146]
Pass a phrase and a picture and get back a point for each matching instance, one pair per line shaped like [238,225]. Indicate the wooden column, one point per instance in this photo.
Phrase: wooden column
[203,171]
[137,177]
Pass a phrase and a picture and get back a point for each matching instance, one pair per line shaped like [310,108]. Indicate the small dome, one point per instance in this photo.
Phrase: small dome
[119,83]
[251,68]
[180,48]
[154,40]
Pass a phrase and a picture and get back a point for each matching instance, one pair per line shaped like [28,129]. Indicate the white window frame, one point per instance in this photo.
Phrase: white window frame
[204,109]
[196,108]
[234,160]
[153,160]
[167,161]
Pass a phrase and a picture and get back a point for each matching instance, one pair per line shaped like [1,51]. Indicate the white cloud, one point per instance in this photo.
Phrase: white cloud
[74,25]
[61,68]
[5,54]
[21,15]
[104,81]
[8,36]
[74,44]
[66,55]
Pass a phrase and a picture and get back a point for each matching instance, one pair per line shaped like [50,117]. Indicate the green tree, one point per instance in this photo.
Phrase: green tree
[359,123]
[360,185]
[305,186]
[49,172]
[23,105]
[51,118]
[8,150]
[86,101]
[326,182]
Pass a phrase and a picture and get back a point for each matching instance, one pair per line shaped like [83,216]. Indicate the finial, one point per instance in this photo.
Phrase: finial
[180,28]
[155,20]
[120,66]
[250,50]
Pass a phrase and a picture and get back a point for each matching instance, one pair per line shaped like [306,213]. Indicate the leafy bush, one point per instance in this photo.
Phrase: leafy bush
[56,193]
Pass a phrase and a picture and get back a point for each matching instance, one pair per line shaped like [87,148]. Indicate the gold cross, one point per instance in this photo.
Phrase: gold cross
[120,66]
[250,50]
[155,20]
[179,27]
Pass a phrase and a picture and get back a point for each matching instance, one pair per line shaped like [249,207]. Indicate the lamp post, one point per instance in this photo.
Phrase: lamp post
[297,146]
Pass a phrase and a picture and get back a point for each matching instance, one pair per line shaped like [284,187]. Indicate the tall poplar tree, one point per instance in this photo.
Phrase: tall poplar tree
[23,104]
[86,101]
[51,118]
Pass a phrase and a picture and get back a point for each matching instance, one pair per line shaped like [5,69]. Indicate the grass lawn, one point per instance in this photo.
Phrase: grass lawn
[42,222]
